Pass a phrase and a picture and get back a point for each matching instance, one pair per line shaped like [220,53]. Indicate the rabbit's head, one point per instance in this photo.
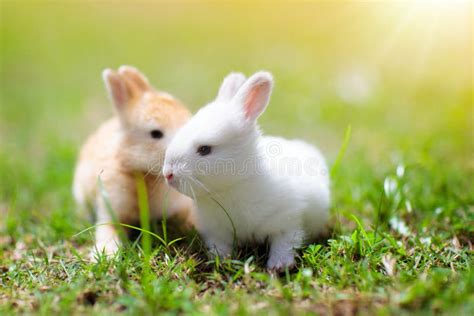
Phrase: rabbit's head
[218,146]
[148,119]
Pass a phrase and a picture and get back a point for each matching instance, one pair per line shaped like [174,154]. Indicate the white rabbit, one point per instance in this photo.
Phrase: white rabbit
[271,188]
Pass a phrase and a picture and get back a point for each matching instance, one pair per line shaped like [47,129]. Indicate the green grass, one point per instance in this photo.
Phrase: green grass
[403,199]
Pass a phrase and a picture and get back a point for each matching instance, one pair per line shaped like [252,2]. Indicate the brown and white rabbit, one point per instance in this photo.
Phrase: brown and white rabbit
[130,144]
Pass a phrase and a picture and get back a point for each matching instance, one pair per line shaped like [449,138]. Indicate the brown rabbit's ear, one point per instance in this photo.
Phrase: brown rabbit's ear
[116,88]
[137,84]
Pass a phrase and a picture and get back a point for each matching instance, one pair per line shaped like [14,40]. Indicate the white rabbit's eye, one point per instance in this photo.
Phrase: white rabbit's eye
[204,150]
[156,133]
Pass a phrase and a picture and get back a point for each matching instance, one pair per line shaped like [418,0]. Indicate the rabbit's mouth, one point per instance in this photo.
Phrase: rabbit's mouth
[171,180]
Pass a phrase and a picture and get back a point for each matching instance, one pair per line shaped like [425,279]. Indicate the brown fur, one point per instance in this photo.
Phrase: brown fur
[123,148]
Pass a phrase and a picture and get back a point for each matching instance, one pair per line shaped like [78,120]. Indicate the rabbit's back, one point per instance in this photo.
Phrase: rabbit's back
[294,159]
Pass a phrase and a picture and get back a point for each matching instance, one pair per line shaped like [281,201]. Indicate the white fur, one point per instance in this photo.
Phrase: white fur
[262,199]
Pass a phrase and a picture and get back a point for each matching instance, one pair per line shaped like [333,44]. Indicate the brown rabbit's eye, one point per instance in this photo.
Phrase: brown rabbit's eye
[156,133]
[204,150]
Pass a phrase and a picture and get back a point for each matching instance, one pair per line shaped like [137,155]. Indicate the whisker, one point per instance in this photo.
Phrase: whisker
[192,191]
[213,197]
[200,183]
[157,181]
[209,191]
[152,168]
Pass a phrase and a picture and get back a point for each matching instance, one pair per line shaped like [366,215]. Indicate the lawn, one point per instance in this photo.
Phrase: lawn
[392,81]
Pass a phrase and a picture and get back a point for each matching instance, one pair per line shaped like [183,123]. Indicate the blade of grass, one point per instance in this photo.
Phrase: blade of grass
[144,213]
[147,275]
[342,151]
[164,217]
[361,229]
[124,225]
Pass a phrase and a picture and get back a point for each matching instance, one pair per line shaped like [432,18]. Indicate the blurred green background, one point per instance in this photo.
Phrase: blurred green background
[400,73]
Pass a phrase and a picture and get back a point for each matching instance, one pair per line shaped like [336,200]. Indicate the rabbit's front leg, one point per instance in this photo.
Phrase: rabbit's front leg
[218,246]
[106,240]
[282,250]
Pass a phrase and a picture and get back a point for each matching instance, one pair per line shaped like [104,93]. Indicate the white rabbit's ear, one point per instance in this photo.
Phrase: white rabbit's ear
[136,82]
[230,86]
[254,94]
[116,88]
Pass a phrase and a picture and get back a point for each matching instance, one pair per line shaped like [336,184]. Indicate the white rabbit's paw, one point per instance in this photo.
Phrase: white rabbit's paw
[219,250]
[280,262]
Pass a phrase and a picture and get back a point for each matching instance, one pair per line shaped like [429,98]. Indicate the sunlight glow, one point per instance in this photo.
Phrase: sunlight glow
[422,28]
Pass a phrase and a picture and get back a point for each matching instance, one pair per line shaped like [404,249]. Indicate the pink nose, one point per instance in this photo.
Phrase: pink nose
[169,176]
